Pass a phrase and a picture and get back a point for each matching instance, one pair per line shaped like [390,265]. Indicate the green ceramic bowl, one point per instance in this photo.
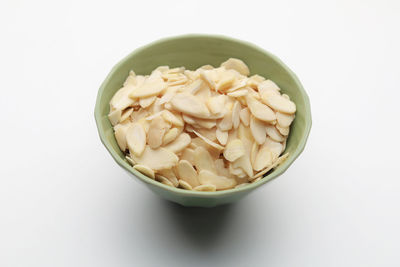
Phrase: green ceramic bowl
[193,51]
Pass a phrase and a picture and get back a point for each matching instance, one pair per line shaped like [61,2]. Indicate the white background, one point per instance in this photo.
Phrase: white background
[64,202]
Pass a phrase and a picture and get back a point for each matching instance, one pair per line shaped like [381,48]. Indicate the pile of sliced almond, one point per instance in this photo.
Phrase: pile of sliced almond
[209,129]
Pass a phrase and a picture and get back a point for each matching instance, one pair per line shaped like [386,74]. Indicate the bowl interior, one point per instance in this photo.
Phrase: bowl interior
[193,51]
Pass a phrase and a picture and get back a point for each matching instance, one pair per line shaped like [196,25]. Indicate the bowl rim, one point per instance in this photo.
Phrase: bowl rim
[183,192]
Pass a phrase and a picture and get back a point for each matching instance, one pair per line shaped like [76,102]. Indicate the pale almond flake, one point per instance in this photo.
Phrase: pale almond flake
[225,82]
[255,80]
[222,137]
[276,163]
[174,118]
[137,115]
[120,135]
[130,160]
[284,120]
[145,170]
[191,105]
[188,119]
[170,175]
[185,185]
[157,159]
[234,150]
[274,133]
[131,79]
[245,164]
[216,104]
[193,87]
[180,143]
[268,85]
[147,102]
[259,110]
[276,148]
[253,153]
[152,86]
[208,141]
[263,159]
[187,173]
[207,78]
[226,123]
[238,172]
[238,85]
[235,114]
[279,103]
[170,136]
[157,129]
[238,93]
[221,169]
[188,154]
[115,117]
[203,123]
[258,130]
[282,130]
[121,99]
[245,116]
[208,133]
[256,180]
[205,188]
[136,139]
[126,114]
[220,182]
[236,64]
[164,180]
[203,160]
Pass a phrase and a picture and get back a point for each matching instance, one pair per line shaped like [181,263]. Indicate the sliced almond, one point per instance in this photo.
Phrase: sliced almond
[169,94]
[258,130]
[147,102]
[137,115]
[120,135]
[205,188]
[208,141]
[253,153]
[238,172]
[152,86]
[126,114]
[115,117]
[145,170]
[282,130]
[276,163]
[131,79]
[222,137]
[136,139]
[236,64]
[234,150]
[130,160]
[203,160]
[263,159]
[157,159]
[235,114]
[216,104]
[220,182]
[276,148]
[206,76]
[238,85]
[121,99]
[267,85]
[208,124]
[187,173]
[226,123]
[221,169]
[164,180]
[188,154]
[274,133]
[174,118]
[208,133]
[188,119]
[259,110]
[255,80]
[256,180]
[185,185]
[226,81]
[245,116]
[170,175]
[157,129]
[180,143]
[284,120]
[170,136]
[238,93]
[193,87]
[190,105]
[279,103]
[244,163]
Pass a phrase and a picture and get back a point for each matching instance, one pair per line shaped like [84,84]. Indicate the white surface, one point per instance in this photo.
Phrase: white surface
[64,202]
